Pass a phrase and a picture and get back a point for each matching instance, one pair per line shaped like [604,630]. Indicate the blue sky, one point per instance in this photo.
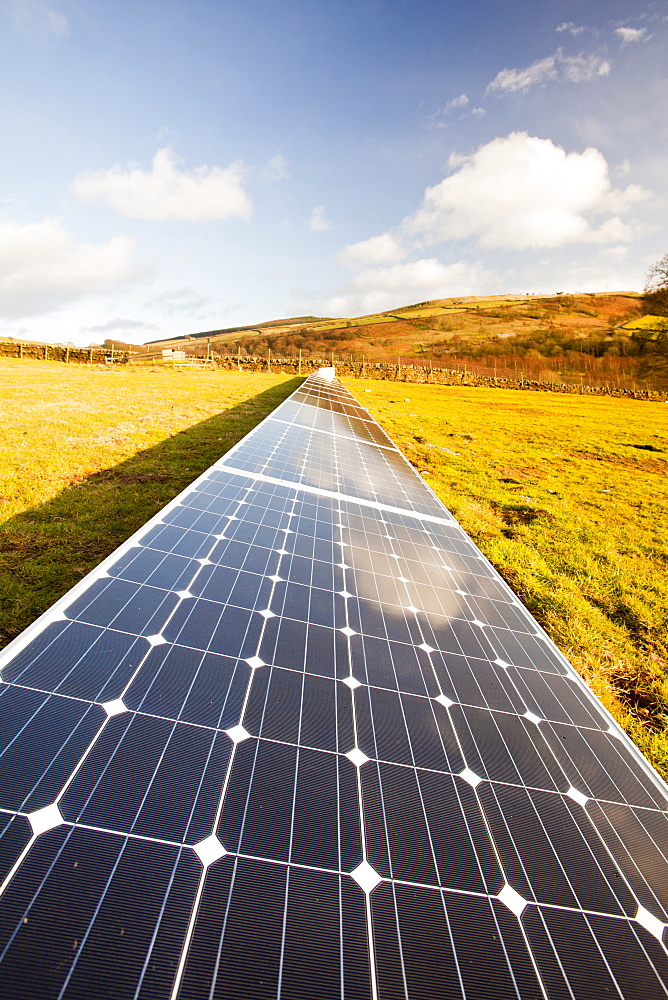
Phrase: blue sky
[170,167]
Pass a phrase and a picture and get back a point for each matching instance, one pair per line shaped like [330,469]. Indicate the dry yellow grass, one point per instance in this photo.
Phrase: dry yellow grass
[87,455]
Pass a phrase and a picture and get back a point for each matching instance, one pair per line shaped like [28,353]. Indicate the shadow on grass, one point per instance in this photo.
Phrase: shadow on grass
[46,550]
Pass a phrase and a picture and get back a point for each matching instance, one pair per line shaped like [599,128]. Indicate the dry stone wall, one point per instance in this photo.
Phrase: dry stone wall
[58,352]
[437,376]
[355,369]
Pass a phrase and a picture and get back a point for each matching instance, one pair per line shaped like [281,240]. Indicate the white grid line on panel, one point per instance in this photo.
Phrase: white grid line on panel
[336,434]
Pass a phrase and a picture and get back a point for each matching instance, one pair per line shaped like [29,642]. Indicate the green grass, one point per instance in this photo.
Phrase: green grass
[87,455]
[565,497]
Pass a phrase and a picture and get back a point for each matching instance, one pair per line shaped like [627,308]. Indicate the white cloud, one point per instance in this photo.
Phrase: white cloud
[629,35]
[384,249]
[616,253]
[439,118]
[37,20]
[522,192]
[456,102]
[571,27]
[378,288]
[319,223]
[276,169]
[557,67]
[119,325]
[478,112]
[42,267]
[514,193]
[166,192]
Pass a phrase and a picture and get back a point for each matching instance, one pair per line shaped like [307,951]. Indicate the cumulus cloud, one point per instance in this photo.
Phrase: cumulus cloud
[39,21]
[42,267]
[385,249]
[629,35]
[514,193]
[571,27]
[276,169]
[522,192]
[166,192]
[319,223]
[378,288]
[557,67]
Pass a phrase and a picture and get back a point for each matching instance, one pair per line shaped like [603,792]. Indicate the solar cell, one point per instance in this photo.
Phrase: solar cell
[297,736]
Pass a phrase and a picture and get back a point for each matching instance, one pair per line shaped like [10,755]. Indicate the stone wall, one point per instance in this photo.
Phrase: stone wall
[56,352]
[436,376]
[355,369]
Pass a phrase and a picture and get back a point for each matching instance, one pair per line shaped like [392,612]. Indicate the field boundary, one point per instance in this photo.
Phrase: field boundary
[383,371]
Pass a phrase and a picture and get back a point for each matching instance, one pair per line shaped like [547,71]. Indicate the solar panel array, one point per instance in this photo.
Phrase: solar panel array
[297,737]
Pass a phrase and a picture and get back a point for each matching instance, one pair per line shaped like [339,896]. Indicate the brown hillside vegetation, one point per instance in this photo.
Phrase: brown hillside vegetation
[427,326]
[555,338]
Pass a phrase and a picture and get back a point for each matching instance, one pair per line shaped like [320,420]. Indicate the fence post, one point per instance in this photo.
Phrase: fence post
[21,349]
[90,356]
[299,370]
[67,354]
[269,359]
[46,352]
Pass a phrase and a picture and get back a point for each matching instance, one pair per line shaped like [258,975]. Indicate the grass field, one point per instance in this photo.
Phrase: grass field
[87,455]
[566,495]
[568,498]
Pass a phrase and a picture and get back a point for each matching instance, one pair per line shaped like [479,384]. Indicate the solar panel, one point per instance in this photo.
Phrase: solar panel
[297,737]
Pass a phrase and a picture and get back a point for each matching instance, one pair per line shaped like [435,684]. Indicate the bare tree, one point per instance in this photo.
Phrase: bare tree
[656,288]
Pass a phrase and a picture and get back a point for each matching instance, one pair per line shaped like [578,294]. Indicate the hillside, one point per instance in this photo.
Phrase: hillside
[599,338]
[429,328]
